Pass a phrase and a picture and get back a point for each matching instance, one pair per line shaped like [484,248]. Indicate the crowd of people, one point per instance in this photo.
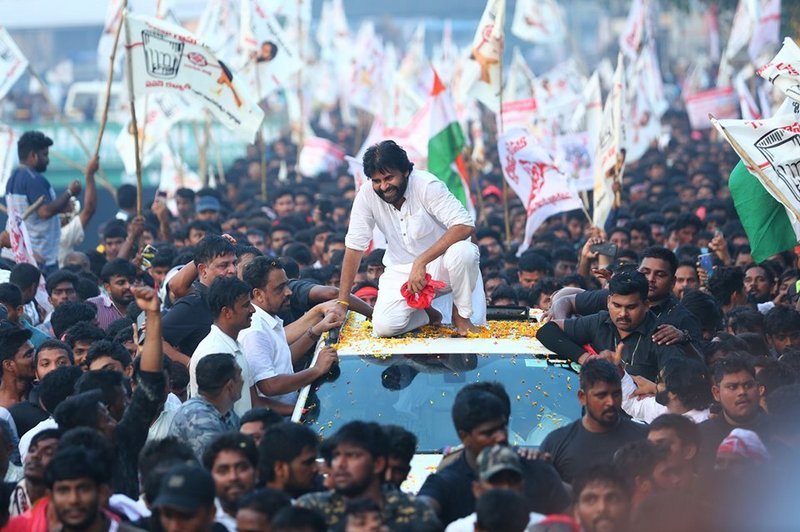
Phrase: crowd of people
[148,383]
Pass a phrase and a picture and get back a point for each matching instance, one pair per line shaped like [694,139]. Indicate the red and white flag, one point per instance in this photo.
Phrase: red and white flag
[319,155]
[22,250]
[534,177]
[784,70]
[539,21]
[12,62]
[722,103]
[609,152]
[766,32]
[167,59]
[712,27]
[747,103]
[482,74]
[636,29]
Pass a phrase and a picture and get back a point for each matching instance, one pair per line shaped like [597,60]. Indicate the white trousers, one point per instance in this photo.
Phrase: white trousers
[458,268]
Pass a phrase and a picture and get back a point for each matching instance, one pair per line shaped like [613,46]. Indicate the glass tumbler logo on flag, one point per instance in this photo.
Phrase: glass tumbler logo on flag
[5,53]
[162,56]
[781,147]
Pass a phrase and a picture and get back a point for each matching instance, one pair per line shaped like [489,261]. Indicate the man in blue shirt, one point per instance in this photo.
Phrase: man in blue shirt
[26,185]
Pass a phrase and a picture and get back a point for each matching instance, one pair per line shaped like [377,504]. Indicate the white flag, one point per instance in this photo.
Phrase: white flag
[367,82]
[722,103]
[12,62]
[784,70]
[744,23]
[574,156]
[8,155]
[645,104]
[219,27]
[609,159]
[482,73]
[319,155]
[636,29]
[534,177]
[175,174]
[22,249]
[166,58]
[539,21]
[272,58]
[767,29]
[747,103]
[105,45]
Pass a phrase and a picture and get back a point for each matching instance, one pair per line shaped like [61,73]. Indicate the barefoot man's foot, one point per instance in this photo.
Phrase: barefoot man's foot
[434,316]
[463,325]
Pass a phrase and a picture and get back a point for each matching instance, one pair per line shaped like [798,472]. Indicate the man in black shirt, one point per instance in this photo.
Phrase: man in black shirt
[594,438]
[627,322]
[481,420]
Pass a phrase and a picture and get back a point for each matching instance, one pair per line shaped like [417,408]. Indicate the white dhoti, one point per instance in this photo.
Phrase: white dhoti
[458,268]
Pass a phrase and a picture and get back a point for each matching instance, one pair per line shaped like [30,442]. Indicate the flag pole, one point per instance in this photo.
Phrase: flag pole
[134,124]
[501,126]
[753,167]
[109,80]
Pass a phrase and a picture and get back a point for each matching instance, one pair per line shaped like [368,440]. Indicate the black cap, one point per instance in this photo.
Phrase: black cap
[187,488]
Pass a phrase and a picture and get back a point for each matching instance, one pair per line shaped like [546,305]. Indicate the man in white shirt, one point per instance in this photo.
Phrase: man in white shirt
[272,350]
[427,230]
[229,300]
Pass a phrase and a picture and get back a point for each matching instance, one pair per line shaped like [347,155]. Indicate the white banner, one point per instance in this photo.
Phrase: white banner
[482,72]
[367,80]
[574,152]
[636,29]
[8,155]
[319,155]
[219,28]
[12,62]
[784,70]
[168,59]
[175,174]
[539,21]
[767,29]
[722,103]
[534,177]
[105,45]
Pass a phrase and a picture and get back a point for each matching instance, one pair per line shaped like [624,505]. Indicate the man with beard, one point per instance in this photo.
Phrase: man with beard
[602,500]
[628,325]
[271,349]
[287,459]
[231,458]
[782,329]
[16,357]
[594,438]
[758,283]
[427,231]
[357,457]
[118,277]
[33,487]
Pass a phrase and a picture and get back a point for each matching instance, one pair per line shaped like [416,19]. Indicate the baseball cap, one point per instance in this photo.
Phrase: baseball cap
[186,487]
[207,203]
[497,458]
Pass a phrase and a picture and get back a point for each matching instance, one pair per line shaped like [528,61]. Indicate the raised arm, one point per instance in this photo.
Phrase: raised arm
[90,194]
[147,300]
[50,209]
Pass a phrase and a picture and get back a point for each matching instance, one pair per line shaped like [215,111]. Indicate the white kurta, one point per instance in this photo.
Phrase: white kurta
[427,213]
[218,342]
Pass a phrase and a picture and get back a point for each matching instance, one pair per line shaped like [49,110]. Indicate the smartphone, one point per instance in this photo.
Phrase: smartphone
[161,194]
[147,255]
[706,261]
[606,248]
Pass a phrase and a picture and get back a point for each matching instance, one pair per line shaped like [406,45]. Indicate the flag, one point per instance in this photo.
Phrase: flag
[272,58]
[574,157]
[520,80]
[534,177]
[22,250]
[8,155]
[483,77]
[219,28]
[712,27]
[747,104]
[636,29]
[784,70]
[744,22]
[645,104]
[175,174]
[367,77]
[319,155]
[722,103]
[539,21]
[12,62]
[445,145]
[767,28]
[609,158]
[165,58]
[105,45]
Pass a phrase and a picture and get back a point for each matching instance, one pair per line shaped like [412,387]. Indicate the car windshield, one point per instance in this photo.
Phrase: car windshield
[417,392]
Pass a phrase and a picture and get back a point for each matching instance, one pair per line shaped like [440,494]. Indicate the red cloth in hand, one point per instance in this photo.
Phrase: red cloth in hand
[424,299]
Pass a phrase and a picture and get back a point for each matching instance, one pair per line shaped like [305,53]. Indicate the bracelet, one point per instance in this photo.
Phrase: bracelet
[343,302]
[312,335]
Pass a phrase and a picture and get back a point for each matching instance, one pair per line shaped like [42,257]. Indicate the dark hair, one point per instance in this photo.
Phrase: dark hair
[493,387]
[662,253]
[756,344]
[24,275]
[598,370]
[70,313]
[108,348]
[601,474]
[689,380]
[46,434]
[282,442]
[784,409]
[299,252]
[52,344]
[501,510]
[126,196]
[118,326]
[10,294]
[745,319]
[12,338]
[86,288]
[781,320]
[31,141]
[686,429]
[626,283]
[472,407]
[73,463]
[294,518]
[266,501]
[110,383]
[639,458]
[384,156]
[725,282]
[211,247]
[773,374]
[57,385]
[156,458]
[262,415]
[213,371]
[115,229]
[704,308]
[83,332]
[503,291]
[91,440]
[230,441]
[686,219]
[185,193]
[402,443]
[733,363]
[256,274]
[366,435]
[58,277]
[224,292]
[533,261]
[79,410]
[118,267]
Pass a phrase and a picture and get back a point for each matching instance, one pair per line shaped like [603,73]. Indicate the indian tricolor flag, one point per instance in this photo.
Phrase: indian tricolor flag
[445,144]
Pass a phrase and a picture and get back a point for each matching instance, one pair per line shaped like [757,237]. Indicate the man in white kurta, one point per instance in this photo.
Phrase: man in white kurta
[427,230]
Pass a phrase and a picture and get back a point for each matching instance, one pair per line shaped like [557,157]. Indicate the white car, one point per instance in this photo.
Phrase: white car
[411,381]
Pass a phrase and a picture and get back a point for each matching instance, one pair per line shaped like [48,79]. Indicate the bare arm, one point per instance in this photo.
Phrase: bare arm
[130,247]
[174,354]
[147,299]
[322,293]
[281,384]
[350,264]
[90,194]
[563,303]
[181,282]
